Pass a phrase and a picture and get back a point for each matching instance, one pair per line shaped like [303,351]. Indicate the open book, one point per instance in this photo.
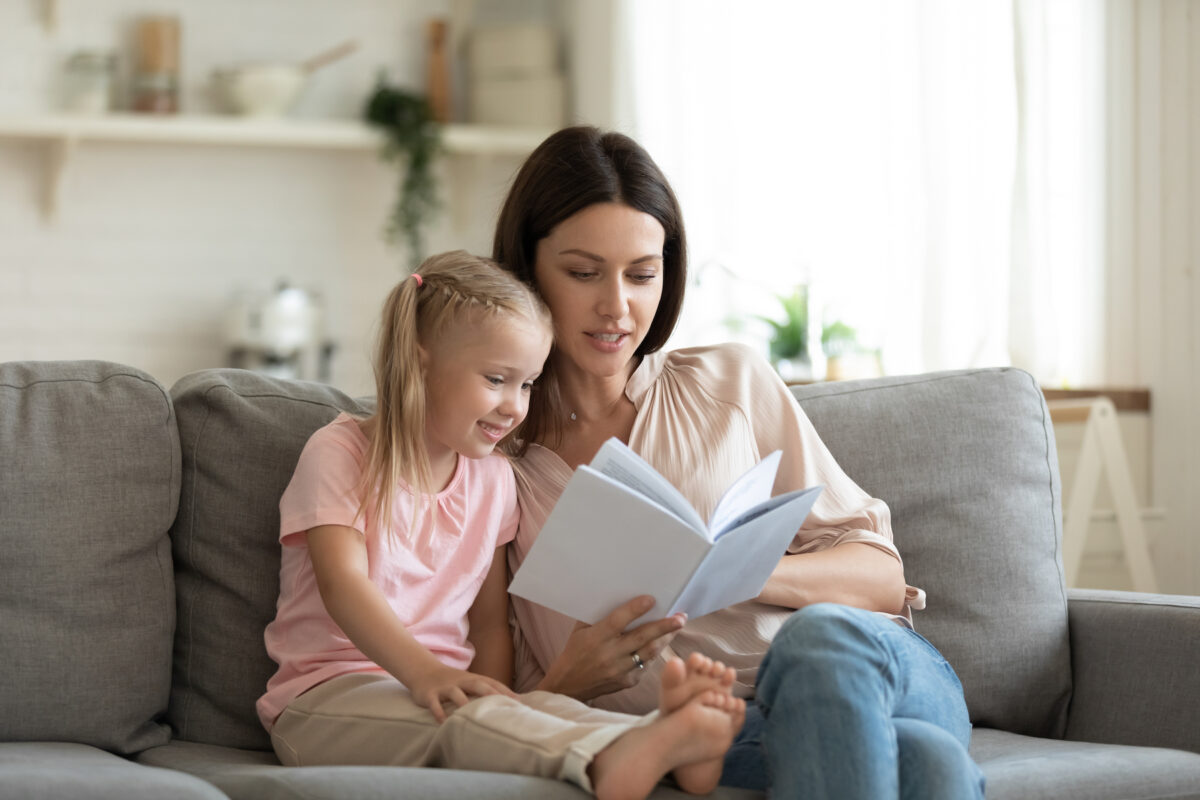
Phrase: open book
[620,530]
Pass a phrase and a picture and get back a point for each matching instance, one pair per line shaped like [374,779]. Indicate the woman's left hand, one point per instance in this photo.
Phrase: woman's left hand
[599,659]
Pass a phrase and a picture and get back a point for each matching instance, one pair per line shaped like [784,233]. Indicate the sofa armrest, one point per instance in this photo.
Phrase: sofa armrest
[1134,661]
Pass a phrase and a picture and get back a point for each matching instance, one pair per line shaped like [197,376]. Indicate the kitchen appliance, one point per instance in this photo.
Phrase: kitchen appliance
[280,333]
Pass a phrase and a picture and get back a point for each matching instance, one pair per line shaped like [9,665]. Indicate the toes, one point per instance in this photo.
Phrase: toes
[698,663]
[673,673]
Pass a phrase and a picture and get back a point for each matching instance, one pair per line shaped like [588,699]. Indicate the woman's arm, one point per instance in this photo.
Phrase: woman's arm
[845,545]
[488,621]
[339,559]
[854,574]
[598,659]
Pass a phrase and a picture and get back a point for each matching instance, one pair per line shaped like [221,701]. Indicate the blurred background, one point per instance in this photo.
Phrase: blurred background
[870,186]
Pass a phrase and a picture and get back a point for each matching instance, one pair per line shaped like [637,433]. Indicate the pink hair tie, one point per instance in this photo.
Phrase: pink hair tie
[419,279]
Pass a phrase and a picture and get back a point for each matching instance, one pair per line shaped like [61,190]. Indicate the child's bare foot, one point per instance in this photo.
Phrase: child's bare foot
[697,733]
[681,681]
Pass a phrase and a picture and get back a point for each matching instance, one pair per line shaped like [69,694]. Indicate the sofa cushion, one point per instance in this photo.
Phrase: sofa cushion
[966,461]
[241,435]
[61,770]
[87,493]
[1025,768]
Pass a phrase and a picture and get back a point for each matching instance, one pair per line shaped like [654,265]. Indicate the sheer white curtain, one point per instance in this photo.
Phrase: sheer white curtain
[870,148]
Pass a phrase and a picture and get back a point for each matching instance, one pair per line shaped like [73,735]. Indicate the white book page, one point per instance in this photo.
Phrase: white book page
[752,488]
[603,545]
[739,564]
[620,463]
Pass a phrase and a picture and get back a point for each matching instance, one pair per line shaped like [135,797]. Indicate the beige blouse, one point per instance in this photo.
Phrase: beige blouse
[705,415]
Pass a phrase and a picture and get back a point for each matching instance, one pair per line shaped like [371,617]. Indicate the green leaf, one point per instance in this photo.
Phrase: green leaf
[413,139]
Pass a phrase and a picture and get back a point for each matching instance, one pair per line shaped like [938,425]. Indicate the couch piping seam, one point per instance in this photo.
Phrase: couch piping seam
[1075,601]
[914,380]
[187,666]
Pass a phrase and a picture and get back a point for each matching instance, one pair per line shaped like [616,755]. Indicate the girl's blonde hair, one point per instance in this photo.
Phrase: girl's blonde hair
[453,288]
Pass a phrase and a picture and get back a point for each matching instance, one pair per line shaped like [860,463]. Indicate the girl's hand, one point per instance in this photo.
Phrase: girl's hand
[442,684]
[598,659]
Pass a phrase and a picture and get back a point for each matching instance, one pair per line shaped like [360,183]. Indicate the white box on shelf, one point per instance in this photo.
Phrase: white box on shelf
[506,51]
[527,102]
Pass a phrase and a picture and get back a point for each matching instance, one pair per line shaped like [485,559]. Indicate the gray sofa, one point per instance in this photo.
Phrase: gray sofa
[139,566]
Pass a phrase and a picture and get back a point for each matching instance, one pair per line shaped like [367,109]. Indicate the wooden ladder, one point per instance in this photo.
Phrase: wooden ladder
[1102,452]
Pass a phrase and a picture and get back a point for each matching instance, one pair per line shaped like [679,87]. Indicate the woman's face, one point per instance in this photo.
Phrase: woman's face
[601,273]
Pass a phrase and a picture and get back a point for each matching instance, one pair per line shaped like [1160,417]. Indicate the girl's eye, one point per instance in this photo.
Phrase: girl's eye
[527,386]
[495,380]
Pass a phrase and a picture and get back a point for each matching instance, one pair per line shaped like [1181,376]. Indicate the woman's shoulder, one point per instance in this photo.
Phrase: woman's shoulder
[728,362]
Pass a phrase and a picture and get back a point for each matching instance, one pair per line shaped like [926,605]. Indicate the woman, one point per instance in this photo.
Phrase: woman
[848,701]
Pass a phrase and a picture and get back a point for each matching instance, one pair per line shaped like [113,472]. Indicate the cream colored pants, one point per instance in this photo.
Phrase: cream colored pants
[370,719]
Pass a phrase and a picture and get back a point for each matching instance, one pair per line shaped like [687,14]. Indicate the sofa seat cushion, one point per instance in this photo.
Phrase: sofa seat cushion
[966,462]
[241,434]
[251,775]
[88,491]
[57,770]
[1028,768]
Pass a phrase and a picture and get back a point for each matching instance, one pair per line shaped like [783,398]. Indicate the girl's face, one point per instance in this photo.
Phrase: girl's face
[477,382]
[601,273]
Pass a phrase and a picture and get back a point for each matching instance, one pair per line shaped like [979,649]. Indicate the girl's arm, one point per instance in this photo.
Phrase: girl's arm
[339,559]
[488,623]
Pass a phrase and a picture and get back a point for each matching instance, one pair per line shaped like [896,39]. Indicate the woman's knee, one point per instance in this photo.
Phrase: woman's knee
[813,629]
[821,642]
[934,763]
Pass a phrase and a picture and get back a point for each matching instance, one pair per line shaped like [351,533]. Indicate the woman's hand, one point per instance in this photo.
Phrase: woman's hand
[598,659]
[441,684]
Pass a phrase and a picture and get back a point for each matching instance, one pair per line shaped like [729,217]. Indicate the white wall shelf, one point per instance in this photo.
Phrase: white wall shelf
[63,134]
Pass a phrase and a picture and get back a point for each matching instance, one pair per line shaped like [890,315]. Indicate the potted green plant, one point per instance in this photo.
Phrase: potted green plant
[413,139]
[789,338]
[845,356]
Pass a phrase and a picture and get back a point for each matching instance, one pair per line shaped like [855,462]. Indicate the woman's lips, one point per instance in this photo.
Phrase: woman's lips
[607,342]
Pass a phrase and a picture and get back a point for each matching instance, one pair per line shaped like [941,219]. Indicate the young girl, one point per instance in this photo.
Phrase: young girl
[393,596]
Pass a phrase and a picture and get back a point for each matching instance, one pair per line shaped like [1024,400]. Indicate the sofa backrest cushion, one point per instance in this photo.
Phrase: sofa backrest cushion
[88,489]
[966,461]
[241,434]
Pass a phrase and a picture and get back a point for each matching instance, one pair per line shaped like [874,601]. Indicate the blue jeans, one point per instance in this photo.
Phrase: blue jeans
[851,705]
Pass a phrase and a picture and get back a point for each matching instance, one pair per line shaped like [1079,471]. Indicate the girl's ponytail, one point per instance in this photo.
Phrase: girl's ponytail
[397,434]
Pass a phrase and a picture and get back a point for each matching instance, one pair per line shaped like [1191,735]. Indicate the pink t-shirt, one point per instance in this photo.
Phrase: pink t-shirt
[430,579]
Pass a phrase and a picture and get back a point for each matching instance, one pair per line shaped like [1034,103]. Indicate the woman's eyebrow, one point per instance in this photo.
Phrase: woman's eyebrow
[577,252]
[593,257]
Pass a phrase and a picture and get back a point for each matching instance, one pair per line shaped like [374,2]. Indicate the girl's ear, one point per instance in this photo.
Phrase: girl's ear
[423,358]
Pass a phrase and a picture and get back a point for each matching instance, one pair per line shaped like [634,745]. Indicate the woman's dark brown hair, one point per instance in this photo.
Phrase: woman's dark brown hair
[572,169]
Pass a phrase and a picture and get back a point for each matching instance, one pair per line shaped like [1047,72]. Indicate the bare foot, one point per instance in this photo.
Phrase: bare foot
[681,681]
[697,733]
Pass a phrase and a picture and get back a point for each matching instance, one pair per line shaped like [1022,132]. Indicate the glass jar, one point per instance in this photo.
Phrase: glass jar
[155,86]
[88,82]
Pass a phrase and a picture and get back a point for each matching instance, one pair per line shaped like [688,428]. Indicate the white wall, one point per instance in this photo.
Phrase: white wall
[152,241]
[1153,292]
